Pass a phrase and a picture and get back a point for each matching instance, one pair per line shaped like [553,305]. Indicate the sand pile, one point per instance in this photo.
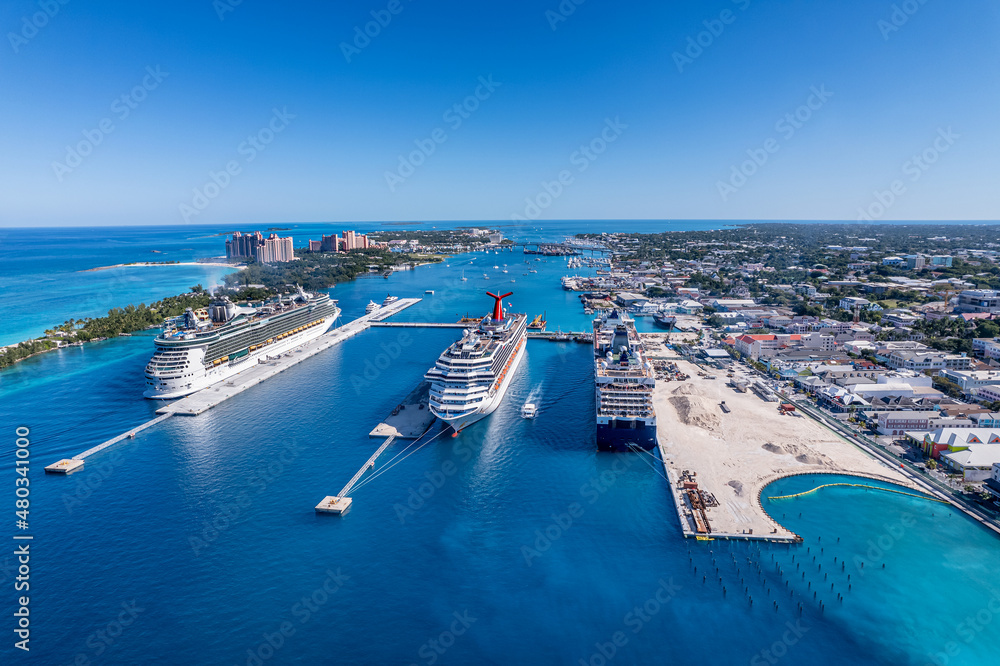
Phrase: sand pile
[693,411]
[774,448]
[737,486]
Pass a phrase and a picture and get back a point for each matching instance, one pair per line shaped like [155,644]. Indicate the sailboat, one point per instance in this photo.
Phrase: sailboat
[464,279]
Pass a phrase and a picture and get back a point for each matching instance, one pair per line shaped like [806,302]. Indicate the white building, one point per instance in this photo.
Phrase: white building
[851,302]
[972,380]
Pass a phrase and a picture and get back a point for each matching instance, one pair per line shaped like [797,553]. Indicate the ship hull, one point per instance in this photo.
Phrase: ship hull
[622,436]
[170,389]
[667,324]
[460,423]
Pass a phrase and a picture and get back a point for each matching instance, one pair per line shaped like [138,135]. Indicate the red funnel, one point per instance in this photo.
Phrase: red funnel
[498,306]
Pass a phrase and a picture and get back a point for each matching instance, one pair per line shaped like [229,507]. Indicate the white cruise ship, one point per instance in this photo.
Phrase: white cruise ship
[624,381]
[470,378]
[201,348]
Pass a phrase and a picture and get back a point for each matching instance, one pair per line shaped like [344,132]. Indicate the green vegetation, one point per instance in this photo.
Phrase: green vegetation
[315,271]
[129,319]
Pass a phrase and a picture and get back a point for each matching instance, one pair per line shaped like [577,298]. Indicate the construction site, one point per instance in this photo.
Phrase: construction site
[722,439]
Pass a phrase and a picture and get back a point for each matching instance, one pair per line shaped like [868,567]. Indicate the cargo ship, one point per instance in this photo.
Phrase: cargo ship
[201,348]
[624,383]
[471,377]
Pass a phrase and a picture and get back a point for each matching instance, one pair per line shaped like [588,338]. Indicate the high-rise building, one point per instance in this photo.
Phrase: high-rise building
[315,246]
[275,250]
[330,244]
[349,240]
[243,245]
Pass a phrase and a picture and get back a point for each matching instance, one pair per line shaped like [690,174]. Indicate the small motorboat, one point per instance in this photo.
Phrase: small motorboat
[529,410]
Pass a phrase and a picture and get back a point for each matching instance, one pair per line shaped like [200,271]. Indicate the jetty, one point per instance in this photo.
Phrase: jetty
[411,419]
[214,395]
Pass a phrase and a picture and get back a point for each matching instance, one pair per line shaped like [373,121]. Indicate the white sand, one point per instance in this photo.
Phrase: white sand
[736,454]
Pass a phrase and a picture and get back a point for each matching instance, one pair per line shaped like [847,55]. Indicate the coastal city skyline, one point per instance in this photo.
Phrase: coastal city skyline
[529,332]
[735,110]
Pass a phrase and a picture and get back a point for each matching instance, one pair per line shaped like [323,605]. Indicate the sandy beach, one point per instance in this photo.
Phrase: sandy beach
[154,263]
[735,454]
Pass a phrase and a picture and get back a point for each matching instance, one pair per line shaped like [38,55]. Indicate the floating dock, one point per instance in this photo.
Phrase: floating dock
[211,396]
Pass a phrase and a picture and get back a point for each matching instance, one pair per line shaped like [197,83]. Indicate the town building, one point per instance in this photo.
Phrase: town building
[979,300]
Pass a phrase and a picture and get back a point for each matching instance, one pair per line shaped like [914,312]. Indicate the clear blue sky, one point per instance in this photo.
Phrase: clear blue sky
[688,122]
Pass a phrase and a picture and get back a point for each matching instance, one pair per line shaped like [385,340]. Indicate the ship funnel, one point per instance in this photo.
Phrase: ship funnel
[498,306]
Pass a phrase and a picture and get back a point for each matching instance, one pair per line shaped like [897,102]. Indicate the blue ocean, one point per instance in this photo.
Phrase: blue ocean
[514,543]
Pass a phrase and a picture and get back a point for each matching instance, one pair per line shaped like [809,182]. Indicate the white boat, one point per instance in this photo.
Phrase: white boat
[389,300]
[472,375]
[371,307]
[485,276]
[529,410]
[464,279]
[429,291]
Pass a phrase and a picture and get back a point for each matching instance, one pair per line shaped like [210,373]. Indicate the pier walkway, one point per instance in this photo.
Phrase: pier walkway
[209,397]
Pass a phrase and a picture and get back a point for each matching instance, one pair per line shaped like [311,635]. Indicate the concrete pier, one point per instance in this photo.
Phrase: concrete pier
[75,464]
[410,419]
[207,398]
[340,503]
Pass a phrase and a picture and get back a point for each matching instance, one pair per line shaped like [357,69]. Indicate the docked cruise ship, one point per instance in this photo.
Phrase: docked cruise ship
[470,378]
[202,347]
[624,382]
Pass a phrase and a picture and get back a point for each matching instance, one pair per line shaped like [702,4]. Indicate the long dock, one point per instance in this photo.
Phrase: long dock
[209,397]
[411,419]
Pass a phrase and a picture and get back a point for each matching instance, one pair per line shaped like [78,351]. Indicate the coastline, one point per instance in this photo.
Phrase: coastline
[164,263]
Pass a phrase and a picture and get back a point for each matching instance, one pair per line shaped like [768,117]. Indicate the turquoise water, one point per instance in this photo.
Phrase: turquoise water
[514,543]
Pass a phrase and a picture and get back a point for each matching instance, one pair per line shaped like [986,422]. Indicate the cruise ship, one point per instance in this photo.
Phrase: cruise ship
[470,378]
[624,382]
[203,347]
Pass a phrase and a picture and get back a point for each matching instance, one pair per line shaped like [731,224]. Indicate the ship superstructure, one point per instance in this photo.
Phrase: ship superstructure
[471,376]
[203,347]
[624,382]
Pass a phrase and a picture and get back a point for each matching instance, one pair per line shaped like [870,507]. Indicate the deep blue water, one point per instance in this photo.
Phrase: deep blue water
[514,543]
